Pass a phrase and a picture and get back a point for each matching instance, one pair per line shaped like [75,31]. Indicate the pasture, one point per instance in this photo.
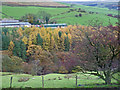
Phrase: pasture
[61,15]
[52,81]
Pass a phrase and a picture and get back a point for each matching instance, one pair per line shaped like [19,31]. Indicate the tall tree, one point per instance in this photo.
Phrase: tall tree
[20,31]
[67,44]
[23,51]
[44,15]
[17,49]
[5,42]
[31,18]
[11,46]
[98,51]
[39,40]
[25,40]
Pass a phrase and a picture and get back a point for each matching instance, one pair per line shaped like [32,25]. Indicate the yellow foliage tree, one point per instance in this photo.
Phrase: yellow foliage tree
[10,48]
[25,40]
[20,31]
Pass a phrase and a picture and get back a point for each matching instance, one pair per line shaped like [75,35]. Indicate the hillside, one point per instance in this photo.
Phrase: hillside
[64,15]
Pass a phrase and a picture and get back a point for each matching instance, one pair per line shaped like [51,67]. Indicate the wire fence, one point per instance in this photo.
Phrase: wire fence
[53,81]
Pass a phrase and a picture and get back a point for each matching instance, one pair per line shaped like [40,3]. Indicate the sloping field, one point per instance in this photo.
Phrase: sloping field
[19,11]
[61,15]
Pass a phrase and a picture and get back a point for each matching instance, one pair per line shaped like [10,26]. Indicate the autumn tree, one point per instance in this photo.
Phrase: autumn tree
[11,46]
[20,31]
[25,40]
[98,51]
[46,42]
[67,60]
[41,59]
[52,44]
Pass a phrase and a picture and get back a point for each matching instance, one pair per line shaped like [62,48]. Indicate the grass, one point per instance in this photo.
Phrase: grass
[86,18]
[17,12]
[69,18]
[97,9]
[37,81]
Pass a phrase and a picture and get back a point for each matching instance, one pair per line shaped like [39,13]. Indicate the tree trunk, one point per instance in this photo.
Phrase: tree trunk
[108,77]
[108,80]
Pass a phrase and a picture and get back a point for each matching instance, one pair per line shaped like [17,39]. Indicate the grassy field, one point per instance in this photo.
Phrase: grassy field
[17,12]
[61,15]
[86,81]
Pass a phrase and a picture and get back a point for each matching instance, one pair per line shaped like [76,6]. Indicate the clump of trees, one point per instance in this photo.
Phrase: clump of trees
[41,17]
[37,47]
[64,50]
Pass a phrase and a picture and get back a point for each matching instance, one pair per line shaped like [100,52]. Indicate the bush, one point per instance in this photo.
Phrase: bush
[6,63]
[16,64]
[26,68]
[77,69]
[76,15]
[12,64]
[63,70]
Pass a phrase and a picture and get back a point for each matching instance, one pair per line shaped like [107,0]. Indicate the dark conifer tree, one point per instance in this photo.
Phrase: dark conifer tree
[67,44]
[23,51]
[39,40]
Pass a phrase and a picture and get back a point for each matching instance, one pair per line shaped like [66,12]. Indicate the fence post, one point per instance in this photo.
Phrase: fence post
[11,82]
[76,80]
[42,81]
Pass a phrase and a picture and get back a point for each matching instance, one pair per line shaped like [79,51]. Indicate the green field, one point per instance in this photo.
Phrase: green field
[88,81]
[17,12]
[69,18]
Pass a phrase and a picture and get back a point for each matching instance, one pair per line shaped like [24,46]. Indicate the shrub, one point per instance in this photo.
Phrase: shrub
[80,15]
[26,67]
[12,64]
[63,70]
[6,63]
[77,69]
[76,15]
[16,64]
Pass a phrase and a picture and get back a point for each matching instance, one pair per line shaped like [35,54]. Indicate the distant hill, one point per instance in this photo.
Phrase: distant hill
[40,4]
[101,4]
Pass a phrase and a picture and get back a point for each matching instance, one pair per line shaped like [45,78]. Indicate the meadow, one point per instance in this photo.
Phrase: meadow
[84,81]
[61,15]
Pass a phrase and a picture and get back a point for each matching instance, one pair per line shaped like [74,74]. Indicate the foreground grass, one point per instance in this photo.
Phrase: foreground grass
[84,81]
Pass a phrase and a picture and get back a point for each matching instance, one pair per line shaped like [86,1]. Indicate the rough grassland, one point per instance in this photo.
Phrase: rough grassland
[36,81]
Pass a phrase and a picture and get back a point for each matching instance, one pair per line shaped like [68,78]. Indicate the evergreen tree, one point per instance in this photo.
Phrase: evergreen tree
[60,33]
[17,49]
[67,44]
[5,42]
[23,51]
[39,40]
